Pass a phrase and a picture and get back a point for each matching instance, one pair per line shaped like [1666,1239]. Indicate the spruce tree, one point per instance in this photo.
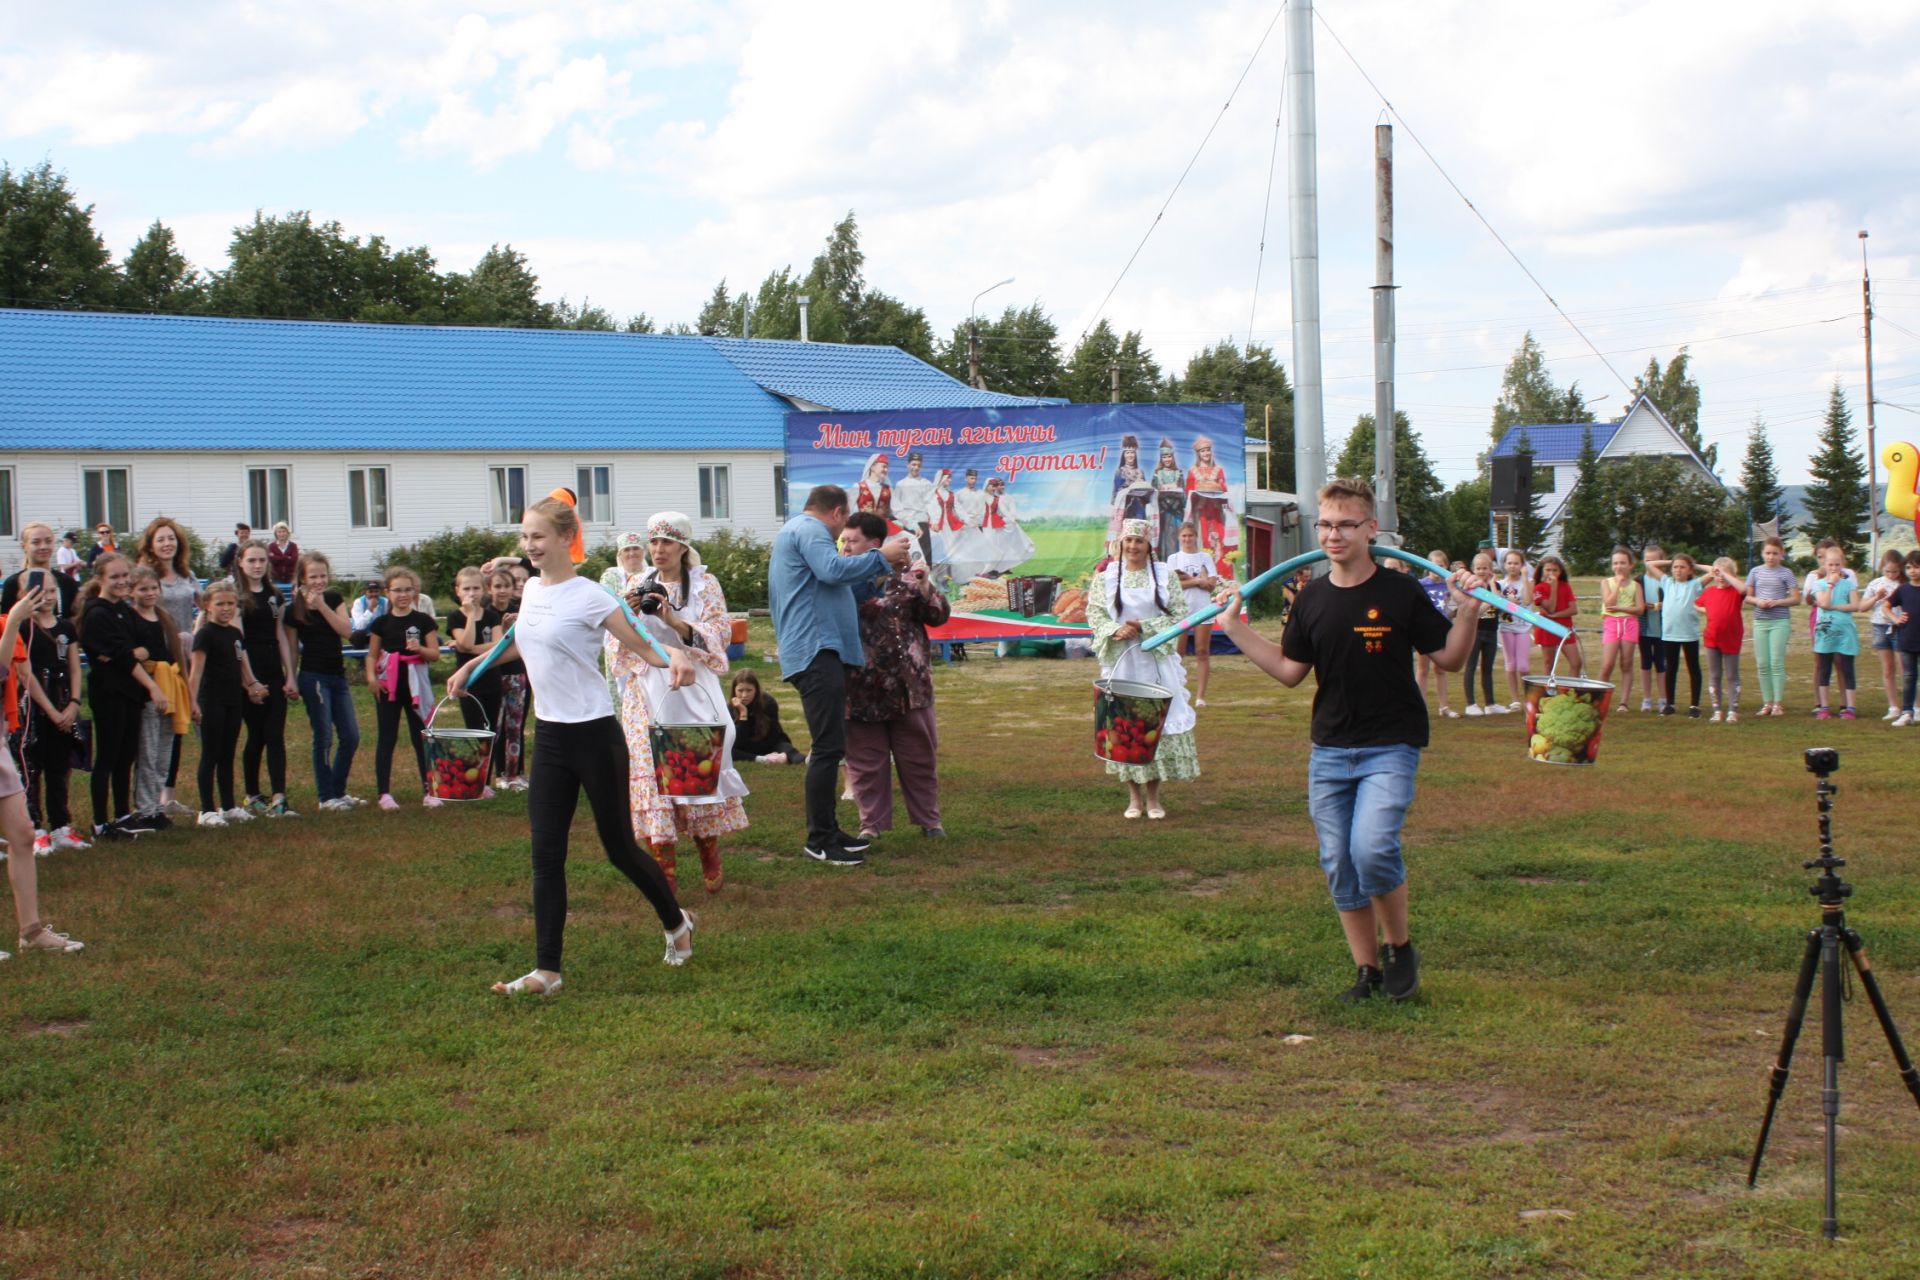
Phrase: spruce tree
[1586,531]
[1837,500]
[1760,488]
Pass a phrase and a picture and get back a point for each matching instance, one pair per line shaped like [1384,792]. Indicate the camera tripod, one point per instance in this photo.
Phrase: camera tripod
[1823,955]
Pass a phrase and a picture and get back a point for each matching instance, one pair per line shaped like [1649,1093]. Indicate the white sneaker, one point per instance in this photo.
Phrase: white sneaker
[1513,706]
[1646,704]
[1199,702]
[335,806]
[65,838]
[1905,719]
[237,814]
[352,802]
[213,818]
[1892,712]
[1497,710]
[1449,713]
[1714,718]
[174,809]
[1473,709]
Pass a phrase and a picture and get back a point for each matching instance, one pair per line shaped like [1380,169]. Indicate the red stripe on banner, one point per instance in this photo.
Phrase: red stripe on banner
[997,626]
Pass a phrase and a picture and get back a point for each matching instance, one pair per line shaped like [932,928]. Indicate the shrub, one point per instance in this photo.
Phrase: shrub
[439,558]
[739,561]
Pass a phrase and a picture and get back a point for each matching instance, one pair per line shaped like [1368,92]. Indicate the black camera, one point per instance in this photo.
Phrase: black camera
[1822,760]
[652,596]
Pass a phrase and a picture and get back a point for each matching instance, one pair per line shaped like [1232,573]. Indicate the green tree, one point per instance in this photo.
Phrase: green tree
[776,310]
[500,291]
[1667,500]
[1019,353]
[1528,396]
[1222,372]
[1761,493]
[1673,390]
[1586,530]
[1088,378]
[585,316]
[1419,497]
[391,287]
[1837,500]
[1466,507]
[50,255]
[1529,526]
[156,276]
[720,317]
[640,322]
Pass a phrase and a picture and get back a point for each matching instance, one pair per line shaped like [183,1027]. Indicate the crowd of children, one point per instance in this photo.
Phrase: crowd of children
[1674,612]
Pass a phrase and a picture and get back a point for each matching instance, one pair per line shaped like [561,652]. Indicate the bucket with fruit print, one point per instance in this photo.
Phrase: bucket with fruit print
[1127,716]
[689,746]
[458,760]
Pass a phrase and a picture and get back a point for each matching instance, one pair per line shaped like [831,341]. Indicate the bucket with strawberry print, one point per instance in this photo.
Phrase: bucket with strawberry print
[689,746]
[1127,716]
[458,759]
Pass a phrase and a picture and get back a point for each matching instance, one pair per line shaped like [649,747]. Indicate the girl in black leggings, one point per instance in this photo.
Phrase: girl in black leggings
[580,746]
[261,607]
[222,686]
[1486,642]
[118,689]
[402,645]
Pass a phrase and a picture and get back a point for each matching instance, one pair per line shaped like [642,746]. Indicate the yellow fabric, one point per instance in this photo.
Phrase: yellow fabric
[174,686]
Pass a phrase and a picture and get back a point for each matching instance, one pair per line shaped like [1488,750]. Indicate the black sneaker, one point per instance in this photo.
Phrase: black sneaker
[1693,713]
[1669,710]
[834,855]
[136,824]
[1402,965]
[853,844]
[153,821]
[936,833]
[114,832]
[1364,985]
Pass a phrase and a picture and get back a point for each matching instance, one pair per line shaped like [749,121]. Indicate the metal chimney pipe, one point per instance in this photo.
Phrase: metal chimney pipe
[1303,236]
[804,301]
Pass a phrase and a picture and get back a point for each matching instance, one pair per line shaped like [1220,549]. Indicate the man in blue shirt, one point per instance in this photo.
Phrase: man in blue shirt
[813,591]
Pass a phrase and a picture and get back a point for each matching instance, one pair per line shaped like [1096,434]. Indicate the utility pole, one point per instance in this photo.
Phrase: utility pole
[1873,458]
[1303,236]
[973,354]
[1385,506]
[1114,371]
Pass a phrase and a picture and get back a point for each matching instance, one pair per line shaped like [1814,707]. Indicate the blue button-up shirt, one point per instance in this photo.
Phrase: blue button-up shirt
[811,588]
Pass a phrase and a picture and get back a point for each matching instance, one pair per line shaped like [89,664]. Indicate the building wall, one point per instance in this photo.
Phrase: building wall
[427,492]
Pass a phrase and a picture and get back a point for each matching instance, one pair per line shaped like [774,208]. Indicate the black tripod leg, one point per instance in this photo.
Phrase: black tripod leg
[1833,1052]
[1796,1015]
[1858,950]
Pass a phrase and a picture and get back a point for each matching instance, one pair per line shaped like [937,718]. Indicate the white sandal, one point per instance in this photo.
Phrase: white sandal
[675,956]
[1156,813]
[528,984]
[1133,811]
[39,937]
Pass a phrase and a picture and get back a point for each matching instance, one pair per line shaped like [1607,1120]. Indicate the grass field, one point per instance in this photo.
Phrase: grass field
[1059,1044]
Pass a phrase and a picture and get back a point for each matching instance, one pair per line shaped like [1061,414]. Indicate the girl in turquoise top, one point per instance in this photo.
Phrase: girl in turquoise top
[1836,638]
[1680,629]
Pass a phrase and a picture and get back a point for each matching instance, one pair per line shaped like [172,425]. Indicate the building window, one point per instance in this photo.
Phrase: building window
[367,498]
[509,489]
[106,493]
[1542,479]
[8,528]
[716,494]
[267,501]
[780,492]
[594,485]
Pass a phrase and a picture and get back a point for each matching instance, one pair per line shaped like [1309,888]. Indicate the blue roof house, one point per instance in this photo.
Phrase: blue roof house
[365,436]
[1643,431]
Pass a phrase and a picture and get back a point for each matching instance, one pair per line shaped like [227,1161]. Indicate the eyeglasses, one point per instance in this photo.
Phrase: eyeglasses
[1325,527]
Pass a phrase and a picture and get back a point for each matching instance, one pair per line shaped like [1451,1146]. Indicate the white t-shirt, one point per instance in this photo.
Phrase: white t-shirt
[1877,593]
[1194,562]
[559,639]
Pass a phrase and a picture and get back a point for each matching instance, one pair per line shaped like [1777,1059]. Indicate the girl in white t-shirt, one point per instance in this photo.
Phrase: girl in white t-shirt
[1198,580]
[1876,594]
[580,746]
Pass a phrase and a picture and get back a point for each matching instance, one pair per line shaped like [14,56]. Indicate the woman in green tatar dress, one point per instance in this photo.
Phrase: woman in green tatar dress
[1134,598]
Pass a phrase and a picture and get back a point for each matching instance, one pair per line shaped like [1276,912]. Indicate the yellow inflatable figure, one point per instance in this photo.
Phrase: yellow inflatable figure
[1903,482]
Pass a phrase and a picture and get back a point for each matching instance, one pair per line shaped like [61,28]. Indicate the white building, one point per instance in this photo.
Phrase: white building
[365,437]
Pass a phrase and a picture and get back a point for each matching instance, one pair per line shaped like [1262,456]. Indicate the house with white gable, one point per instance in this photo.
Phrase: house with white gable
[1643,432]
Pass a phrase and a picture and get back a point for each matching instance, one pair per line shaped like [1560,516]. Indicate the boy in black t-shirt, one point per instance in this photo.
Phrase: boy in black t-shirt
[1357,630]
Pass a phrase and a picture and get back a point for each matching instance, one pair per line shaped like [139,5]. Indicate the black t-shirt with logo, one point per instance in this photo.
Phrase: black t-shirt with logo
[223,681]
[47,651]
[1360,642]
[392,629]
[319,642]
[260,624]
[483,637]
[67,588]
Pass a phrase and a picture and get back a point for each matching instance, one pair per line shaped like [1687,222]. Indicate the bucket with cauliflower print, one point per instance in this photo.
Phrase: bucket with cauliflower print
[1565,715]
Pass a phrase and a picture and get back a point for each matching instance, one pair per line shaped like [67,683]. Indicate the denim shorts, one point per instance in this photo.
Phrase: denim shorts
[1358,799]
[1882,636]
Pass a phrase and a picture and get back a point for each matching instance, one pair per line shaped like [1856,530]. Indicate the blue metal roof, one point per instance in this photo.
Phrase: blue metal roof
[853,379]
[1555,441]
[91,381]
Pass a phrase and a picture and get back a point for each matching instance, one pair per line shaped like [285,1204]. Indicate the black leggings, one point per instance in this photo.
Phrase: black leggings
[49,761]
[116,744]
[219,735]
[1486,643]
[266,723]
[1910,669]
[1675,650]
[1824,665]
[1653,651]
[173,761]
[387,713]
[569,758]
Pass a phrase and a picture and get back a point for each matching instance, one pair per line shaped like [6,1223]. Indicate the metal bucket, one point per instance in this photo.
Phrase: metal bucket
[458,760]
[1127,716]
[1565,717]
[689,749]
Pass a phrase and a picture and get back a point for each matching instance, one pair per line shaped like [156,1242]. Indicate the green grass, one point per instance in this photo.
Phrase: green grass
[1052,1046]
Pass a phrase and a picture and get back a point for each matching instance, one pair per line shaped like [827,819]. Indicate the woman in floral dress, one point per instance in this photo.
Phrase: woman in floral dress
[1134,598]
[682,606]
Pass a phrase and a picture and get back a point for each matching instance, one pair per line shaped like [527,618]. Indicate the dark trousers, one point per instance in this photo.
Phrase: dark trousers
[1486,643]
[823,696]
[173,761]
[329,704]
[116,744]
[1825,664]
[567,759]
[48,757]
[1690,650]
[219,735]
[1910,668]
[266,723]
[387,712]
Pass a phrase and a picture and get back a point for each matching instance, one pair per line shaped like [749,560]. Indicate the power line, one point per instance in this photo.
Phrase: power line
[1266,206]
[1448,178]
[1178,182]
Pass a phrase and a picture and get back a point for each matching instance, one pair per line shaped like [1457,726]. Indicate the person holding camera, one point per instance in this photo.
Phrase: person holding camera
[890,721]
[37,543]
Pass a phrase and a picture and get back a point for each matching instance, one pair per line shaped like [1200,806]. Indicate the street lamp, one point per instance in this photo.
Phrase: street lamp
[973,335]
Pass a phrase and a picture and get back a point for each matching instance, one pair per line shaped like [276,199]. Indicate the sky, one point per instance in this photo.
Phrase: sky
[1690,172]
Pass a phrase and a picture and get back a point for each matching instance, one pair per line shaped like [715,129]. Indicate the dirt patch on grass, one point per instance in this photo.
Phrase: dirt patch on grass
[279,1241]
[52,1026]
[1033,1056]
